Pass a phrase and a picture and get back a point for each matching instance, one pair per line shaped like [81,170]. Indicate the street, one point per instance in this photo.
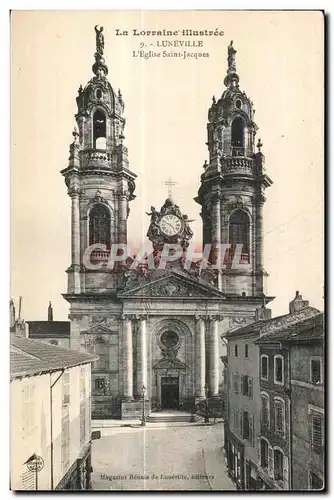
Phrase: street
[188,457]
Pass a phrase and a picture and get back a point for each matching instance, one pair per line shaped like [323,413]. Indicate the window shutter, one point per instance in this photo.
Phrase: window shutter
[250,387]
[242,384]
[251,429]
[241,423]
[270,461]
[286,472]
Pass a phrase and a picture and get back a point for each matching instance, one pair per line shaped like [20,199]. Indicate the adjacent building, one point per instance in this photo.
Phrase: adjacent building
[275,429]
[50,391]
[157,332]
[50,331]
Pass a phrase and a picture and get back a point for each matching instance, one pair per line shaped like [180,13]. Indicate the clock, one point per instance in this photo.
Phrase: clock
[170,224]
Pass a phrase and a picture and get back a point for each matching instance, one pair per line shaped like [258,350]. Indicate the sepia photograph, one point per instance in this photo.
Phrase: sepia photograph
[167,250]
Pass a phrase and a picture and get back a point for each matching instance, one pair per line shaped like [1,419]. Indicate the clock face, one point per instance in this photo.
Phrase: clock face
[170,225]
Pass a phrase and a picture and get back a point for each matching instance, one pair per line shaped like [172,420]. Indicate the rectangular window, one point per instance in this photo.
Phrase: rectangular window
[100,386]
[246,350]
[245,425]
[279,416]
[28,407]
[236,350]
[247,386]
[316,431]
[316,371]
[82,422]
[315,481]
[278,370]
[65,438]
[236,382]
[265,411]
[264,453]
[264,367]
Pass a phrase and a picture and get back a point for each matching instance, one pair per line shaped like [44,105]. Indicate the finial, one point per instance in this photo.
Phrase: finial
[205,165]
[99,67]
[259,145]
[213,100]
[231,79]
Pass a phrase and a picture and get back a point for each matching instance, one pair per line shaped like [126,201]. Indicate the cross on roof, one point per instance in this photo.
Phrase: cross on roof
[170,185]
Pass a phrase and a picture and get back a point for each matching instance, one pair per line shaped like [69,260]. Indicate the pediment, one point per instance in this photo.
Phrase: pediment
[98,330]
[172,286]
[170,364]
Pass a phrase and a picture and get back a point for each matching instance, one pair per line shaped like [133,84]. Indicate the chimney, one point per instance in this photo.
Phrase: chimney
[20,309]
[262,313]
[297,304]
[12,317]
[50,312]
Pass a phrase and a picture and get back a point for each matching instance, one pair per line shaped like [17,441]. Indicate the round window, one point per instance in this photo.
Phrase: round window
[98,94]
[169,339]
[238,104]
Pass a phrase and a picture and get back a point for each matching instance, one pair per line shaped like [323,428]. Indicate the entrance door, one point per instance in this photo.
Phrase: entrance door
[169,393]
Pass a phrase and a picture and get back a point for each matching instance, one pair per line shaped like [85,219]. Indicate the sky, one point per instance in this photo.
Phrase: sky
[280,62]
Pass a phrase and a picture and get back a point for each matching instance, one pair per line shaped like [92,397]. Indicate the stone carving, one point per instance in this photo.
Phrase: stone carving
[231,58]
[99,40]
[181,233]
[99,319]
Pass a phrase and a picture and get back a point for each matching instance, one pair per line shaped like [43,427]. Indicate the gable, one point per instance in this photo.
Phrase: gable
[98,330]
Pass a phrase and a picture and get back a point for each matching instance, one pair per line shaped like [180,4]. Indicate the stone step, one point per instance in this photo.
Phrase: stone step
[172,418]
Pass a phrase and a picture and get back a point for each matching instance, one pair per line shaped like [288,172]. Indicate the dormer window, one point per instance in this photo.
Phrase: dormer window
[98,94]
[238,104]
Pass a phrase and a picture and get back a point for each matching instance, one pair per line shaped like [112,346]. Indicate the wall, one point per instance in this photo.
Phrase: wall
[246,366]
[37,438]
[304,393]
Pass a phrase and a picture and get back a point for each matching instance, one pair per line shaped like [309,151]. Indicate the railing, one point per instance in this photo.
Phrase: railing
[99,256]
[96,156]
[234,164]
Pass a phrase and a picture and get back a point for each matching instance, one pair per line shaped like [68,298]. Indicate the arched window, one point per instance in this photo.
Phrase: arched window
[264,453]
[100,350]
[99,127]
[239,233]
[99,225]
[237,137]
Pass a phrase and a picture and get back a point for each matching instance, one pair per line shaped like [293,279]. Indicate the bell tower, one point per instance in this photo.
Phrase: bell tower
[99,181]
[232,189]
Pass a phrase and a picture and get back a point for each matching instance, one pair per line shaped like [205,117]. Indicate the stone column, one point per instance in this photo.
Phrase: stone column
[142,357]
[200,358]
[74,277]
[127,359]
[216,236]
[213,345]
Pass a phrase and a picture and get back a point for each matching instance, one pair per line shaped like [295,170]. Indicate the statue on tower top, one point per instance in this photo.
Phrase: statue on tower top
[99,39]
[231,57]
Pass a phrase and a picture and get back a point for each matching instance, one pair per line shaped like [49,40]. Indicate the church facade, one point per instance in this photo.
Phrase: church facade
[157,329]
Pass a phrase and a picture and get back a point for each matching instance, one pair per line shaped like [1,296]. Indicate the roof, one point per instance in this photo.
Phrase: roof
[47,329]
[29,357]
[272,325]
[306,330]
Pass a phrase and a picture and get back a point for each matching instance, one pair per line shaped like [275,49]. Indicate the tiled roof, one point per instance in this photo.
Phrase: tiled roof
[44,329]
[269,326]
[30,357]
[306,330]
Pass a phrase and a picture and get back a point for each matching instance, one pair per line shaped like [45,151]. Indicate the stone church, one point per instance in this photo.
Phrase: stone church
[158,332]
